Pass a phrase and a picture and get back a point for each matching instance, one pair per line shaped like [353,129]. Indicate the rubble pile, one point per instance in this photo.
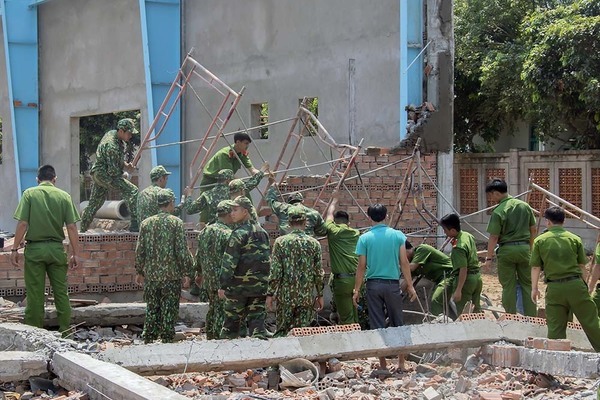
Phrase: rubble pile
[362,380]
[38,388]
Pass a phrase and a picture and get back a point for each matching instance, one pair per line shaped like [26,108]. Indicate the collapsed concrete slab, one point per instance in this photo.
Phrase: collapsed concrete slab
[21,365]
[101,380]
[118,314]
[199,356]
[21,337]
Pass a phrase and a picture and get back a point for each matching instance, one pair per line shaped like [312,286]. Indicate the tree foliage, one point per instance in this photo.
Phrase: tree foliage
[538,61]
[91,130]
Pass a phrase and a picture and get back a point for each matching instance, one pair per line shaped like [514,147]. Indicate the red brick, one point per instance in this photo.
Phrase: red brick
[490,396]
[124,278]
[558,344]
[72,279]
[15,274]
[107,279]
[7,283]
[91,279]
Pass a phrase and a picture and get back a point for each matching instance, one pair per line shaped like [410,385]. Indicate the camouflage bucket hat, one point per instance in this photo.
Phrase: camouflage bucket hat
[224,207]
[296,214]
[127,124]
[237,185]
[224,175]
[295,197]
[164,197]
[243,201]
[158,172]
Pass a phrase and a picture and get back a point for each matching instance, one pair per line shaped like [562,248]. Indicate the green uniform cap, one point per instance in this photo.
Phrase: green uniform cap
[224,207]
[243,201]
[165,196]
[295,197]
[237,185]
[224,175]
[127,124]
[296,214]
[158,172]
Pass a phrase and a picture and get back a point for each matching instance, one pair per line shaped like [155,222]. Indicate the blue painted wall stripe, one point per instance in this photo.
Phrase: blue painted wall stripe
[161,36]
[19,22]
[411,43]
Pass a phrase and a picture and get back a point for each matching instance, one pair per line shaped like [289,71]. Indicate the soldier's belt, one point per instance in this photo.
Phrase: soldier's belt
[515,243]
[567,279]
[340,276]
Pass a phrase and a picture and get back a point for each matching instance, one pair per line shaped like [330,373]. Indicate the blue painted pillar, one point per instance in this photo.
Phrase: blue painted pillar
[161,41]
[411,68]
[19,24]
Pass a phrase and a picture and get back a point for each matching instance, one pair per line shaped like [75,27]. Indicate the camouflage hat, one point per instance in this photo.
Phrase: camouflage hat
[224,207]
[295,197]
[237,185]
[164,197]
[158,172]
[243,201]
[224,175]
[296,214]
[127,124]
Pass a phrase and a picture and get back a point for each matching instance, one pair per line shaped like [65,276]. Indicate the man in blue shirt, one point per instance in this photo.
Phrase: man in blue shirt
[380,253]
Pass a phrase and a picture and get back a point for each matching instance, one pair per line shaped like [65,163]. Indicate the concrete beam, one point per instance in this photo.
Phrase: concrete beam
[118,314]
[212,355]
[248,353]
[102,380]
[21,365]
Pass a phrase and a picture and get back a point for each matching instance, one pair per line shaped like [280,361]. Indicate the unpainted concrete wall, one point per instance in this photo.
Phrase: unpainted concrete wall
[91,63]
[285,50]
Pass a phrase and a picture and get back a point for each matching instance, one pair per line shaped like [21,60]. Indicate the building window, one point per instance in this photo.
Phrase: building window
[259,113]
[92,129]
[307,126]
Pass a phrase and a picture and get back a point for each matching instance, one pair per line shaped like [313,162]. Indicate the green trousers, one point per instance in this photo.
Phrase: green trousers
[162,310]
[513,267]
[41,259]
[342,296]
[214,316]
[471,292]
[290,316]
[597,300]
[100,187]
[240,310]
[563,297]
[441,290]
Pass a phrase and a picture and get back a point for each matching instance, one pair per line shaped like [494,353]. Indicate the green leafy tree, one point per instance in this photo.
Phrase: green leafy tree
[529,60]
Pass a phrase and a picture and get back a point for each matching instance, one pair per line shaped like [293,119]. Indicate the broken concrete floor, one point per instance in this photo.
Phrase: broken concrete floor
[489,374]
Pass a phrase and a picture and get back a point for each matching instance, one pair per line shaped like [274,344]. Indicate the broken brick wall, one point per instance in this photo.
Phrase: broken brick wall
[107,259]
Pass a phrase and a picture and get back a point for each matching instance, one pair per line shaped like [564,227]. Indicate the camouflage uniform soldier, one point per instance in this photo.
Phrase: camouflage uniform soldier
[208,200]
[295,272]
[315,225]
[162,259]
[245,274]
[107,173]
[238,187]
[147,205]
[212,242]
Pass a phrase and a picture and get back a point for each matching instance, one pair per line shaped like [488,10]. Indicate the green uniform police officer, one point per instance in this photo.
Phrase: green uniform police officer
[561,255]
